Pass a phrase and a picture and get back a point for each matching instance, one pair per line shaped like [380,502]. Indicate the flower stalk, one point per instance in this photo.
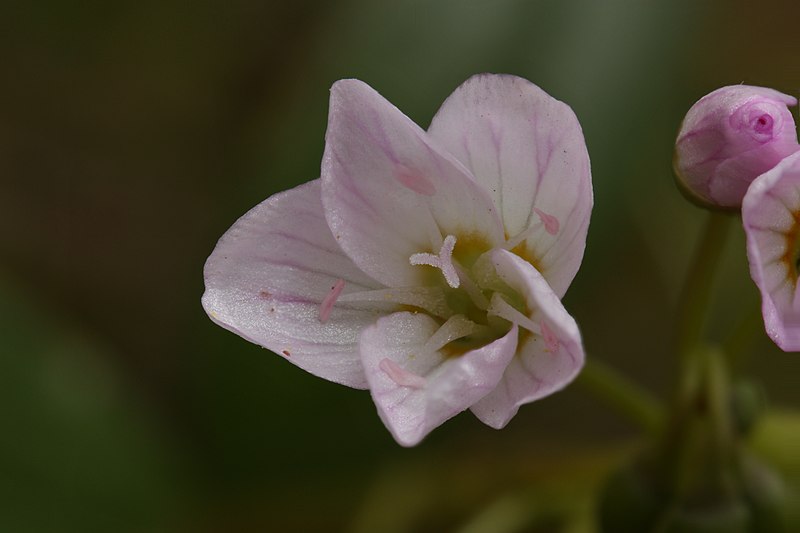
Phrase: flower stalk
[624,396]
[696,298]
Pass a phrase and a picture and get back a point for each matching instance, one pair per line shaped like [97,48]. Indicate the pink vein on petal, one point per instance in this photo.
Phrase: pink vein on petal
[326,307]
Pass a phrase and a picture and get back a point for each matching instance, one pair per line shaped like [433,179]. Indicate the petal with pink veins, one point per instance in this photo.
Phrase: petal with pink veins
[389,191]
[547,359]
[414,385]
[277,272]
[527,149]
[771,217]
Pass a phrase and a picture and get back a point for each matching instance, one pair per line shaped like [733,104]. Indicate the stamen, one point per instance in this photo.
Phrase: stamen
[414,180]
[443,261]
[456,327]
[400,375]
[551,341]
[431,299]
[517,239]
[550,222]
[326,307]
[503,309]
[499,307]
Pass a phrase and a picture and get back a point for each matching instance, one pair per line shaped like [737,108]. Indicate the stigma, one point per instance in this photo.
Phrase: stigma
[443,261]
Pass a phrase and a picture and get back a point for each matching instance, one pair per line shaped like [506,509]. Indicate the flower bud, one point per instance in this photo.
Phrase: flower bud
[730,137]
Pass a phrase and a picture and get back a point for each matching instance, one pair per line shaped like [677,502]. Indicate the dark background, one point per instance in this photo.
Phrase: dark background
[133,134]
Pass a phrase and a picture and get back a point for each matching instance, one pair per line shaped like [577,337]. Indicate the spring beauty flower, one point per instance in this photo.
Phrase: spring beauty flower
[427,267]
[771,217]
[730,137]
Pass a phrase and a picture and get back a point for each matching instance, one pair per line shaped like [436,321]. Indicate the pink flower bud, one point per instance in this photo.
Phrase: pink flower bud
[730,137]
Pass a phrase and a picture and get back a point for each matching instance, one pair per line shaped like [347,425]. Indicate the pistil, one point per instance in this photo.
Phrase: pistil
[443,261]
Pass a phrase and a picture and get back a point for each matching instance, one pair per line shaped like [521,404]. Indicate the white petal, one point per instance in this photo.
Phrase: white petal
[268,276]
[770,214]
[527,149]
[390,193]
[545,362]
[416,389]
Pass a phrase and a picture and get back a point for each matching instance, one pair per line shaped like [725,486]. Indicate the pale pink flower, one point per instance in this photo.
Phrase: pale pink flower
[730,137]
[771,216]
[428,266]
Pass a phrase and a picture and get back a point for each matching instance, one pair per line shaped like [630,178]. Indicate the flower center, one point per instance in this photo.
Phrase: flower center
[473,292]
[761,120]
[763,124]
[472,304]
[791,256]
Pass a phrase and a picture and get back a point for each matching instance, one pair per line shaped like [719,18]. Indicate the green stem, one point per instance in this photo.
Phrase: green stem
[719,407]
[700,443]
[736,346]
[696,297]
[628,398]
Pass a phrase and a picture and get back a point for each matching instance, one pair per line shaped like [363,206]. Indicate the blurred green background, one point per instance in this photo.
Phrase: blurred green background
[133,134]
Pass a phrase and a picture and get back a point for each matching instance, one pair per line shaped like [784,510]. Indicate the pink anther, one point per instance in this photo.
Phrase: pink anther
[326,307]
[550,222]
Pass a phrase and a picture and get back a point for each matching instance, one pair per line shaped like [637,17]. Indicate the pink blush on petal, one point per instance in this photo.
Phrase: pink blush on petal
[400,375]
[550,339]
[414,181]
